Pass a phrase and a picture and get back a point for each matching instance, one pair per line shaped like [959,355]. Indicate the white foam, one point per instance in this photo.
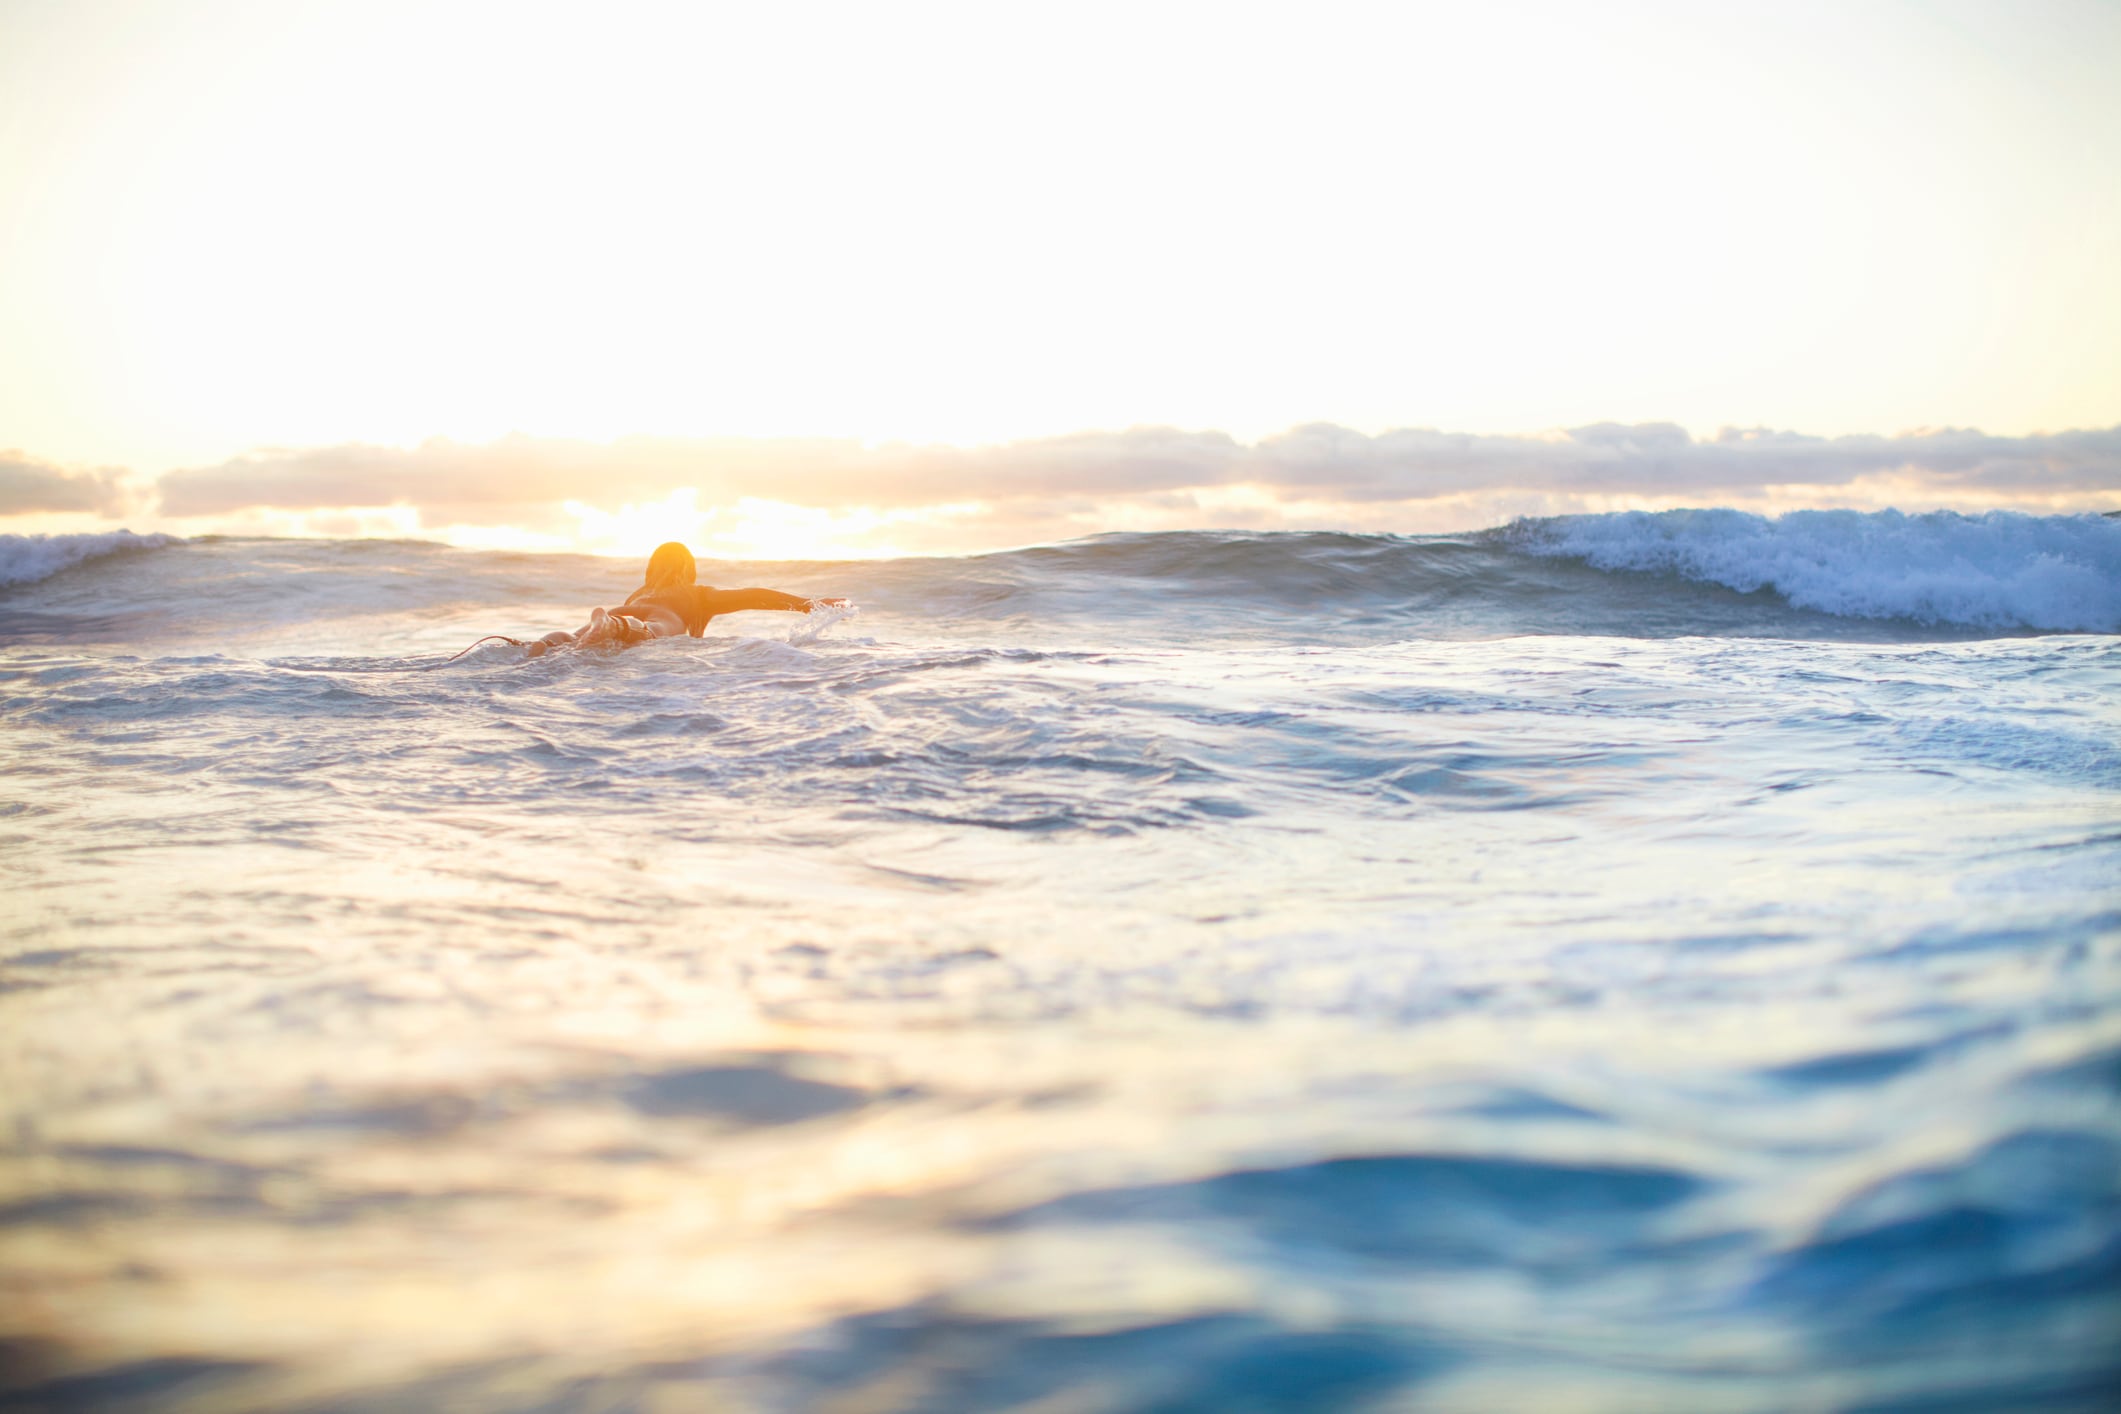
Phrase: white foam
[2002,569]
[25,559]
[820,618]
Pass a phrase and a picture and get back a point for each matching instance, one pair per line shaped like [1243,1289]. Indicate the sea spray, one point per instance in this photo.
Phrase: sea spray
[1997,570]
[25,559]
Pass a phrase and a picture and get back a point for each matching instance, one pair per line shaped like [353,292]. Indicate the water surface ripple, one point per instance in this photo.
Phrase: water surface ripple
[1027,995]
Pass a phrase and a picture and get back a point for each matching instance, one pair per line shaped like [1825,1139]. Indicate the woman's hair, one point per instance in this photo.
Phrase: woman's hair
[671,565]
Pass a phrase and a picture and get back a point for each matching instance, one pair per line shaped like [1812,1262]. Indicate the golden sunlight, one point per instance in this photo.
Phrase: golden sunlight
[471,219]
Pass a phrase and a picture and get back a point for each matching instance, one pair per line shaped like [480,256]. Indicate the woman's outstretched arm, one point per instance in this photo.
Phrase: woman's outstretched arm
[731,601]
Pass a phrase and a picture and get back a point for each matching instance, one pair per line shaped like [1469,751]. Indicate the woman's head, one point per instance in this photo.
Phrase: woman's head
[669,566]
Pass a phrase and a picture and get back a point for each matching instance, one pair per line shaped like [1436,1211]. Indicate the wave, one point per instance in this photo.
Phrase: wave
[1834,574]
[26,559]
[1998,570]
[1878,576]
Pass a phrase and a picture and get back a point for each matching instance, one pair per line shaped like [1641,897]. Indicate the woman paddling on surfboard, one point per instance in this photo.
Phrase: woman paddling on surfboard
[669,602]
[668,588]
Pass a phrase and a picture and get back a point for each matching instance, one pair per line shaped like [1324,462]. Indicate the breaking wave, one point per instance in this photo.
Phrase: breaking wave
[25,559]
[1998,570]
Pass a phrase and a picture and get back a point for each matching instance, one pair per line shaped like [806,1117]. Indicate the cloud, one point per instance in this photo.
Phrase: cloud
[1657,459]
[27,484]
[484,482]
[521,471]
[472,477]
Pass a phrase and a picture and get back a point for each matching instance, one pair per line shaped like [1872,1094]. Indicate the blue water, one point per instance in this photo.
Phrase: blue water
[1612,964]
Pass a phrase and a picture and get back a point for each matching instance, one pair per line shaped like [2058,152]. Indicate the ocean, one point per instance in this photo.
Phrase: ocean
[1628,962]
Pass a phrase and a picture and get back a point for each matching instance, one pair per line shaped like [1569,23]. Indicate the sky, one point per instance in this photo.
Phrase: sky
[803,278]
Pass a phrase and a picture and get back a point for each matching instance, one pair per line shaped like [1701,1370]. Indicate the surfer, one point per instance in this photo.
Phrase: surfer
[668,586]
[669,602]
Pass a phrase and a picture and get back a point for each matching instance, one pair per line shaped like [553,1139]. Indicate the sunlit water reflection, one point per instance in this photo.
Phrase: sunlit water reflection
[896,1014]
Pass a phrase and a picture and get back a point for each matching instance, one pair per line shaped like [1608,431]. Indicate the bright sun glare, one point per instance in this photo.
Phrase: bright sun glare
[751,529]
[253,224]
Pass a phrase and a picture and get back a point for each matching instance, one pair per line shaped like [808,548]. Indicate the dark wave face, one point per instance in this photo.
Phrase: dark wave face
[1826,574]
[1333,588]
